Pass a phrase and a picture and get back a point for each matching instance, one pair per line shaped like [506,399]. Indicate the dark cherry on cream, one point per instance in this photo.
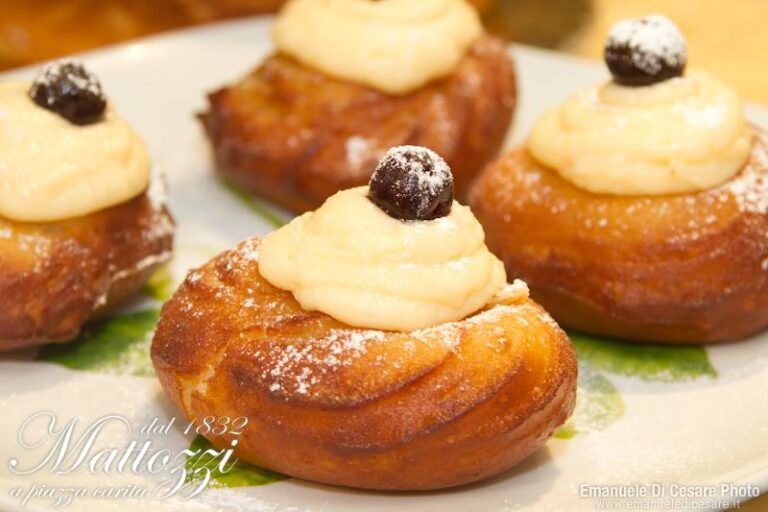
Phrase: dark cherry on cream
[645,51]
[71,91]
[412,183]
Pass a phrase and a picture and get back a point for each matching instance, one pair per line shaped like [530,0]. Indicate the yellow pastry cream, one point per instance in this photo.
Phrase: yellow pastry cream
[355,262]
[674,135]
[394,46]
[52,169]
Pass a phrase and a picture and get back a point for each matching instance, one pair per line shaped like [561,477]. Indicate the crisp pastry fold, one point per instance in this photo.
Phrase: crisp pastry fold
[296,136]
[427,409]
[55,276]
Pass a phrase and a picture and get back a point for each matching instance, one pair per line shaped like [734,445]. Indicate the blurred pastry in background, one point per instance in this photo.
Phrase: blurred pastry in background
[82,222]
[44,29]
[350,79]
[639,208]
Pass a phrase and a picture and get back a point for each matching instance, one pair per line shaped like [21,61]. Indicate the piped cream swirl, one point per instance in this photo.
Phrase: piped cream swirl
[681,135]
[352,261]
[51,169]
[395,46]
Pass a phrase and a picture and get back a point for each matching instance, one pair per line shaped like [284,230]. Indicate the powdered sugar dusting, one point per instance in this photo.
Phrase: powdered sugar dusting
[428,182]
[750,188]
[299,368]
[54,71]
[157,191]
[517,290]
[305,366]
[358,151]
[655,39]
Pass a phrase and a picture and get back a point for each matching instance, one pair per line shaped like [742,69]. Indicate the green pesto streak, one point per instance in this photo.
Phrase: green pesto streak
[241,474]
[118,345]
[659,363]
[256,206]
[160,285]
[598,403]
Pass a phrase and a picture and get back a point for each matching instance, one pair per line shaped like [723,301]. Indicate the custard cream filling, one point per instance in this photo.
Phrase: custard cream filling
[352,261]
[395,46]
[682,135]
[51,169]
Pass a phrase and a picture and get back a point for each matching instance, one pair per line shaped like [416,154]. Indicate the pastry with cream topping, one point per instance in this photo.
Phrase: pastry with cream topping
[639,207]
[350,79]
[372,343]
[79,228]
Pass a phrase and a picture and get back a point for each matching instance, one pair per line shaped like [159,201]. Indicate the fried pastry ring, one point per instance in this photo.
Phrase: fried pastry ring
[686,268]
[55,276]
[371,409]
[297,136]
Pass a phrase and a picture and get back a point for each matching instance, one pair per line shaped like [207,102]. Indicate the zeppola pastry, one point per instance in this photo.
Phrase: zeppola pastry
[79,227]
[639,208]
[372,343]
[352,78]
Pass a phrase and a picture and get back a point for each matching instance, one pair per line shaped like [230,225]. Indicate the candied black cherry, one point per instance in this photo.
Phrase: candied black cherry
[645,51]
[68,89]
[412,183]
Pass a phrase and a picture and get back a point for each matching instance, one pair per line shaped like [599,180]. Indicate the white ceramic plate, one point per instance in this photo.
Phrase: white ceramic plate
[646,414]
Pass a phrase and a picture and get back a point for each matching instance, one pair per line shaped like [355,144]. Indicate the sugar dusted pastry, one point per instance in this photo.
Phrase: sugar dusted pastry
[639,207]
[79,230]
[372,343]
[352,78]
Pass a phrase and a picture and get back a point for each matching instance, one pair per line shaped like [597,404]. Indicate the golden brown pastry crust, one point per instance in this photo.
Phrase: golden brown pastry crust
[372,409]
[296,136]
[688,268]
[55,276]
